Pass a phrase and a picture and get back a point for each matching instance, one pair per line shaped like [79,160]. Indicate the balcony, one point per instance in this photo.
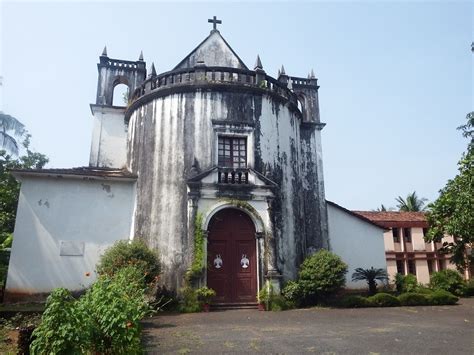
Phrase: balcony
[233,176]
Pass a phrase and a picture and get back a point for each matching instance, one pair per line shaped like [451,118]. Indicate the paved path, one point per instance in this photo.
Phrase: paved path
[403,330]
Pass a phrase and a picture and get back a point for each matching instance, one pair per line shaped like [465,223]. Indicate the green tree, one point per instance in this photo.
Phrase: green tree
[10,131]
[412,203]
[10,187]
[453,212]
[371,276]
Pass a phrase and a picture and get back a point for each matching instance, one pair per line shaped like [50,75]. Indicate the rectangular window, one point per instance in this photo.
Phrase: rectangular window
[407,235]
[400,267]
[441,265]
[396,235]
[425,232]
[411,267]
[430,266]
[232,152]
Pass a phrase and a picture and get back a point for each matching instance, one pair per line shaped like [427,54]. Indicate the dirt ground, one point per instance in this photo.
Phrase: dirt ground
[400,330]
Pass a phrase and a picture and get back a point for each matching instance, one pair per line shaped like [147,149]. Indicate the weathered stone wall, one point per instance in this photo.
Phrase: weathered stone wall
[169,134]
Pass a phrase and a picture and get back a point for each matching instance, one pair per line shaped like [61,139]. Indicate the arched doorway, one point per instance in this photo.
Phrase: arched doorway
[232,257]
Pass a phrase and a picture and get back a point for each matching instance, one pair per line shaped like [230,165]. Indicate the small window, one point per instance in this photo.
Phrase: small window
[430,266]
[411,267]
[441,265]
[425,232]
[232,152]
[400,267]
[407,235]
[396,235]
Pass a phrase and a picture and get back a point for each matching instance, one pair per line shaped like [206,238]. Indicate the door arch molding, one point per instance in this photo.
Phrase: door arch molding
[256,219]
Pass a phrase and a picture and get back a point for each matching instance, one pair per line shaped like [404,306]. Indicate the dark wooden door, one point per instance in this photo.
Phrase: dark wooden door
[232,257]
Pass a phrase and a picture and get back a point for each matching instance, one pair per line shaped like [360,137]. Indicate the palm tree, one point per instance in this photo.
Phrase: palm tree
[10,130]
[371,276]
[412,203]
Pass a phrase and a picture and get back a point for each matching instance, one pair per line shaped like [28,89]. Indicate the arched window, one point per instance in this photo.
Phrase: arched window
[121,95]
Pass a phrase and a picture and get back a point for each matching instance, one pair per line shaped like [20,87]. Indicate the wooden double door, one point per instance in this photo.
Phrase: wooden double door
[232,257]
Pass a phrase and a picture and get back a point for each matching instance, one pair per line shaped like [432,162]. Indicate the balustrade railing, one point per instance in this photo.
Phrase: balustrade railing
[232,176]
[213,75]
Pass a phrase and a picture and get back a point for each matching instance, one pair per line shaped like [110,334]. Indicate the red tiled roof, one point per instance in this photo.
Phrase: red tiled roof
[396,219]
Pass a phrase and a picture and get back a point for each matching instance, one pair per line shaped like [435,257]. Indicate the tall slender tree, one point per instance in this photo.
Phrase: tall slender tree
[11,130]
[412,203]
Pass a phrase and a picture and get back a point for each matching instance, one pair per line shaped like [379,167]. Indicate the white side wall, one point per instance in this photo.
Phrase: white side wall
[358,243]
[50,210]
[109,137]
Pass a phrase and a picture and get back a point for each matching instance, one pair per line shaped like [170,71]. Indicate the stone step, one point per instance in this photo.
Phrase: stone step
[229,306]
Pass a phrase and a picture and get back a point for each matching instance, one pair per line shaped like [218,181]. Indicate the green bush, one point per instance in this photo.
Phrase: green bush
[406,283]
[469,288]
[105,320]
[448,280]
[205,294]
[124,253]
[63,328]
[321,275]
[292,292]
[424,290]
[414,299]
[384,300]
[115,305]
[353,301]
[280,303]
[442,297]
[189,302]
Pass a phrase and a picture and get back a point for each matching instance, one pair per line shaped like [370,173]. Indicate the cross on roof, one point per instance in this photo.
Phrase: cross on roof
[214,22]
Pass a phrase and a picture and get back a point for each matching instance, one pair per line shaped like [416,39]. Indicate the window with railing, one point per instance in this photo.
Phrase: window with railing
[232,160]
[232,152]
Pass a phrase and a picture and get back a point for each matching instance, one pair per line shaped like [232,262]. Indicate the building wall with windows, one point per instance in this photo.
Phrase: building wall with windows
[406,251]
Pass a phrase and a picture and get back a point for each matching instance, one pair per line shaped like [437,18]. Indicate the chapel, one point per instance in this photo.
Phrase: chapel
[210,156]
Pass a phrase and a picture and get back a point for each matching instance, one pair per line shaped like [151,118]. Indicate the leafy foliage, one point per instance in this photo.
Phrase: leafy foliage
[321,275]
[105,320]
[354,301]
[442,297]
[414,299]
[114,307]
[453,212]
[189,302]
[63,327]
[371,276]
[198,264]
[384,300]
[406,283]
[292,292]
[448,280]
[205,294]
[412,203]
[124,253]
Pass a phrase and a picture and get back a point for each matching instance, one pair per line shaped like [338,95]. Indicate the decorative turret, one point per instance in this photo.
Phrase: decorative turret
[282,77]
[113,72]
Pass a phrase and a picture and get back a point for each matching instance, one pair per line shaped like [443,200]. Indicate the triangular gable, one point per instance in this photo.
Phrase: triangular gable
[214,51]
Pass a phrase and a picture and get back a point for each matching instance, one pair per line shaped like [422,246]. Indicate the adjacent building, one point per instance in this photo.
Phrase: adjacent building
[406,251]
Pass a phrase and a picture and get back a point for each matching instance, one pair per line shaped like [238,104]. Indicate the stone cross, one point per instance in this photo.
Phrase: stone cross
[214,22]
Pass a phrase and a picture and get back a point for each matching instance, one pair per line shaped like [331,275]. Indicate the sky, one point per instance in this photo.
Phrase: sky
[396,78]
